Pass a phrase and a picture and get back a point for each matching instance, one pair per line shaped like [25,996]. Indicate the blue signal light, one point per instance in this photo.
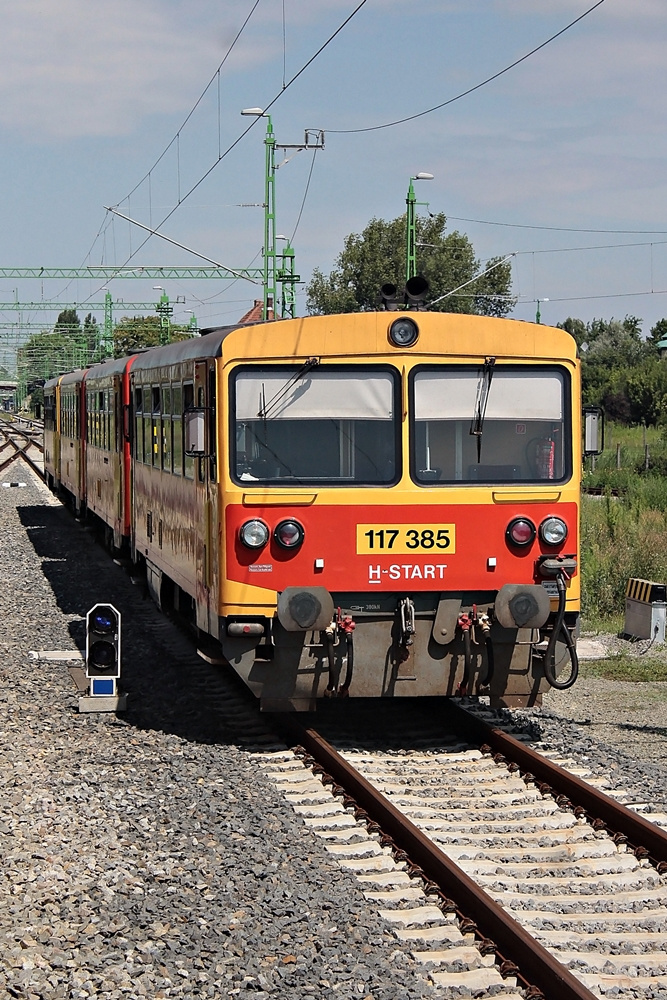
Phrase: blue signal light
[104,622]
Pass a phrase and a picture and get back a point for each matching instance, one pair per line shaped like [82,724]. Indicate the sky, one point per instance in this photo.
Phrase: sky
[560,161]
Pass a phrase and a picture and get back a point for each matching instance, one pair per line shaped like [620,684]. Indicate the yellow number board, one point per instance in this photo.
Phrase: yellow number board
[402,539]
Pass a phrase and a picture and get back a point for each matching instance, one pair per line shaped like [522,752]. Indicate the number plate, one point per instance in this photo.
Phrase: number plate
[402,539]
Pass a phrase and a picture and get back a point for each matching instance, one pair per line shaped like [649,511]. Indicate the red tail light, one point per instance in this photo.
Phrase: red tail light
[289,534]
[520,531]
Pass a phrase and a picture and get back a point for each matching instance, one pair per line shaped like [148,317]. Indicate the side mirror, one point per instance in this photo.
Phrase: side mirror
[194,423]
[593,430]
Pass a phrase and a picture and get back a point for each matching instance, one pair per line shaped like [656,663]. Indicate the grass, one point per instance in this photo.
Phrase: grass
[621,538]
[628,668]
[624,535]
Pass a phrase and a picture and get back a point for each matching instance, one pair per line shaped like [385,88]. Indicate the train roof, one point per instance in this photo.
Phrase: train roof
[209,345]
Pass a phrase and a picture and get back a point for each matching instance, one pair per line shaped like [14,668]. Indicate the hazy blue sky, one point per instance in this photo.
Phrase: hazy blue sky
[574,138]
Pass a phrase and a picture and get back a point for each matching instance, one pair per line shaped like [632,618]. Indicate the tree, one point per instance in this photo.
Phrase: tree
[658,333]
[609,350]
[45,355]
[140,332]
[647,391]
[68,322]
[377,257]
[91,335]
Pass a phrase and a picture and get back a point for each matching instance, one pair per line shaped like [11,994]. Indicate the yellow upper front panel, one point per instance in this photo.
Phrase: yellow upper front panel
[448,336]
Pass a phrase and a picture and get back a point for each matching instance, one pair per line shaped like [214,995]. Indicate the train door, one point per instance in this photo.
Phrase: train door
[202,438]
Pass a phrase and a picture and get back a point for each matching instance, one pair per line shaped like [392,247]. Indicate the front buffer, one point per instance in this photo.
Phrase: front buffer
[364,604]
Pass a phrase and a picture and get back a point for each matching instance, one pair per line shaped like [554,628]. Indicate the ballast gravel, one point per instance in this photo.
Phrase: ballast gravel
[147,856]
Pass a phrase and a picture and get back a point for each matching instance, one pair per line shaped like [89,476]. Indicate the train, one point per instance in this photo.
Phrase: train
[366,505]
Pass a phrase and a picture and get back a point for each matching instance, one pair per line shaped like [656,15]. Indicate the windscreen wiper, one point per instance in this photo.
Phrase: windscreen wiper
[481,399]
[265,408]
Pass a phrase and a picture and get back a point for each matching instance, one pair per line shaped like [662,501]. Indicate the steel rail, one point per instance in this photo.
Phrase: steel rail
[535,965]
[20,452]
[618,818]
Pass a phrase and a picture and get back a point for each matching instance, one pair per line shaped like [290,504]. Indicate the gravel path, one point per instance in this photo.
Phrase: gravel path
[138,861]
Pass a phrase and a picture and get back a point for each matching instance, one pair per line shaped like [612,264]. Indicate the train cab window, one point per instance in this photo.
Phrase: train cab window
[188,402]
[177,428]
[511,425]
[331,425]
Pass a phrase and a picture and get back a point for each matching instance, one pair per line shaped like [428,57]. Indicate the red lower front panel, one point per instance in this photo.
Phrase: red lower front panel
[358,548]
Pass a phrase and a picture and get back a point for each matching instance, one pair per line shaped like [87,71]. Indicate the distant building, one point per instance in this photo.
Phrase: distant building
[7,394]
[254,315]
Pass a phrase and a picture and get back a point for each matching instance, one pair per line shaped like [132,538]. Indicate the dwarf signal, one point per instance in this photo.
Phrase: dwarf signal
[103,649]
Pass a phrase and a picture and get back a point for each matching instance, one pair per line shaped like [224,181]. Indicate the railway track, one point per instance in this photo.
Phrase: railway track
[499,873]
[501,870]
[21,439]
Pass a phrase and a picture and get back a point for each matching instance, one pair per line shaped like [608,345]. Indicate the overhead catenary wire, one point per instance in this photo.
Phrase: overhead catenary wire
[242,135]
[470,90]
[562,229]
[187,118]
[285,85]
[221,154]
[305,195]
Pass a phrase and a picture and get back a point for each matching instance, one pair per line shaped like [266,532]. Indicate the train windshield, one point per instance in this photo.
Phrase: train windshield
[316,425]
[490,424]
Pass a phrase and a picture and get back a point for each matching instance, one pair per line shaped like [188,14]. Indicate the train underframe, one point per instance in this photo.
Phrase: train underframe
[399,645]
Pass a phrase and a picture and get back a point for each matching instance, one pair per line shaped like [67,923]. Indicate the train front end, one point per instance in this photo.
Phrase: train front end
[400,497]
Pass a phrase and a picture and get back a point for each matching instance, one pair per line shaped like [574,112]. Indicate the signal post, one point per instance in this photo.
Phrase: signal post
[103,649]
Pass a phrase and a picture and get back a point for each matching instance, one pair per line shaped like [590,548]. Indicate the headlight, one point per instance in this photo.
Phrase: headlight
[403,332]
[289,534]
[520,531]
[553,531]
[254,534]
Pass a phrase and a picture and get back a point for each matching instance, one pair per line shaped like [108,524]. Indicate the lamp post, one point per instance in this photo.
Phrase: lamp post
[164,311]
[410,226]
[538,314]
[193,325]
[269,252]
[271,275]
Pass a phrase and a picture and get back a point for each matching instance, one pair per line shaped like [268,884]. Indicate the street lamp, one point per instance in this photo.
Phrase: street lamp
[269,300]
[410,226]
[164,311]
[538,314]
[271,275]
[192,322]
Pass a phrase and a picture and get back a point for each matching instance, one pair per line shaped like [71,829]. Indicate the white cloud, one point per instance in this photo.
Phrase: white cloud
[73,68]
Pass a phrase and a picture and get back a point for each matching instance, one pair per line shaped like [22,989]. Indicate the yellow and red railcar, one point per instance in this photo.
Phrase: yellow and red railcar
[399,504]
[64,444]
[364,505]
